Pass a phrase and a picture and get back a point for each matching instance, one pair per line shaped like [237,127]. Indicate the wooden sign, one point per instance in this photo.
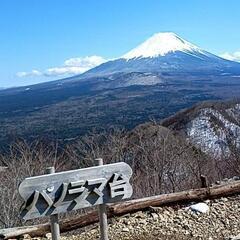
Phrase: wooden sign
[65,191]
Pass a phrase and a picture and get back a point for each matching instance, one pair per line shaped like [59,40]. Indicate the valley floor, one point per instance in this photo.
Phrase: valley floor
[175,223]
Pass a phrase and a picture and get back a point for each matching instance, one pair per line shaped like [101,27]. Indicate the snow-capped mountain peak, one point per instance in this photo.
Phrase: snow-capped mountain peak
[161,44]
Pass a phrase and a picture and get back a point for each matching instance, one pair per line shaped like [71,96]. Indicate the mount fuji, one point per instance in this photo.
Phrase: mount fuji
[161,57]
[156,79]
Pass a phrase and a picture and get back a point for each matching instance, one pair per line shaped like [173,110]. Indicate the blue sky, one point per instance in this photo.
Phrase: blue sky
[41,39]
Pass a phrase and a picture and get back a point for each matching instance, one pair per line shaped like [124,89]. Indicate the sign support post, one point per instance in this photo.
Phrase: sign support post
[55,229]
[102,211]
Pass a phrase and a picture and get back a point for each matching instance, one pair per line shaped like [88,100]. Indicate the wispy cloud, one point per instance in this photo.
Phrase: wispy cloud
[70,67]
[235,56]
[29,74]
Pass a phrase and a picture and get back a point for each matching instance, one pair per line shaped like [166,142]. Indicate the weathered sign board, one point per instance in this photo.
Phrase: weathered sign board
[66,191]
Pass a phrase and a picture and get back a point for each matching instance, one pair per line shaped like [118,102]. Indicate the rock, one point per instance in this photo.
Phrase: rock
[200,207]
[223,199]
[235,178]
[154,209]
[26,236]
[49,236]
[154,216]
[125,230]
[139,214]
[234,237]
[126,222]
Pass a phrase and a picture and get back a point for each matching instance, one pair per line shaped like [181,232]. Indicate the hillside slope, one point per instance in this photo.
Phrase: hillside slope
[212,126]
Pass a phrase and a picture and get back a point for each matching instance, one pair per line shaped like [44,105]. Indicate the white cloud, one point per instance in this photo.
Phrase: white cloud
[235,56]
[57,71]
[76,66]
[71,66]
[86,62]
[29,74]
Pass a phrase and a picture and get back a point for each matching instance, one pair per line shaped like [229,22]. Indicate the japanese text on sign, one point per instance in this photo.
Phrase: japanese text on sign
[61,192]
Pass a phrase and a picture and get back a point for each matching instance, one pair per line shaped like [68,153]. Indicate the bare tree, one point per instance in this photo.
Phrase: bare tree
[23,160]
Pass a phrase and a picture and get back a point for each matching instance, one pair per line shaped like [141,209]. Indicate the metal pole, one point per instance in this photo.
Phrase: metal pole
[102,211]
[55,229]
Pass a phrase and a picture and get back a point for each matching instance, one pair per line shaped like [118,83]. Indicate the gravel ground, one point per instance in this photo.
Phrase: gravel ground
[221,222]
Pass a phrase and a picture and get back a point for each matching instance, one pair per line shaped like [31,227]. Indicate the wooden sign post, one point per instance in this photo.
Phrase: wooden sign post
[55,229]
[102,212]
[54,193]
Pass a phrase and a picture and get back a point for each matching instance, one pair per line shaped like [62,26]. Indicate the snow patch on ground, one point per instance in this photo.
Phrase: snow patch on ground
[200,207]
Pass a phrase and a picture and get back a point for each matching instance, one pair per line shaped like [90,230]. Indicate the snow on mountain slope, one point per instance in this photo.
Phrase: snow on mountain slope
[213,127]
[161,44]
[216,136]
